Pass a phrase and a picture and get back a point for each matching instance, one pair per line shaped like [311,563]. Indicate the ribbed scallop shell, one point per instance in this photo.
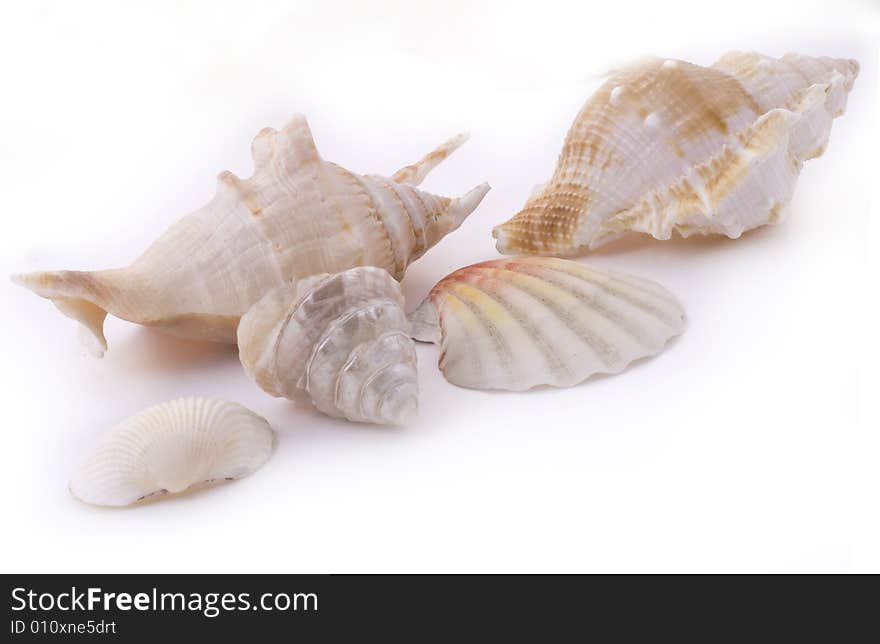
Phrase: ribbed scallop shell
[669,146]
[170,447]
[342,339]
[298,215]
[528,321]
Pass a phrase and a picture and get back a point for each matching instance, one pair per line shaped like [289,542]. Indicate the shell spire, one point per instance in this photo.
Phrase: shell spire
[666,146]
[297,215]
[342,340]
[455,213]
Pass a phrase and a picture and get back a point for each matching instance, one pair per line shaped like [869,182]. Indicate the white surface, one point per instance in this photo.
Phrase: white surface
[749,445]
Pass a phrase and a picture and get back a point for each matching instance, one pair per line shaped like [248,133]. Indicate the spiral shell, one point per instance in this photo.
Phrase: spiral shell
[519,323]
[342,339]
[298,215]
[170,447]
[667,146]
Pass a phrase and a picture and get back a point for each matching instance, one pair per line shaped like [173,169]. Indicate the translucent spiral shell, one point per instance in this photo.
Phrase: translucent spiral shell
[341,339]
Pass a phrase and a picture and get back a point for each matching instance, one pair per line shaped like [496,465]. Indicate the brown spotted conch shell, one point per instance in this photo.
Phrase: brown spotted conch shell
[666,146]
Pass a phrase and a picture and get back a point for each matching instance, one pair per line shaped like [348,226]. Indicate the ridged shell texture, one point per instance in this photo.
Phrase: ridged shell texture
[298,215]
[670,146]
[342,339]
[519,323]
[170,447]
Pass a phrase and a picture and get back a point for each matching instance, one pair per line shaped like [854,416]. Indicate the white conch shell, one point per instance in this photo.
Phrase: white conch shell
[670,146]
[298,215]
[523,322]
[171,447]
[343,339]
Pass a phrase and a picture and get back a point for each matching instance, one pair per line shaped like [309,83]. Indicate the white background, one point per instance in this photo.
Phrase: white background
[749,445]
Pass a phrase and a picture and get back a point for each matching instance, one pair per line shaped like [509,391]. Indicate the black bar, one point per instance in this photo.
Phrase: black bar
[457,607]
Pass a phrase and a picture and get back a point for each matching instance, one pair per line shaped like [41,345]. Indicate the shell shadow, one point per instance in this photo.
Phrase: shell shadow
[416,285]
[682,246]
[150,350]
[299,420]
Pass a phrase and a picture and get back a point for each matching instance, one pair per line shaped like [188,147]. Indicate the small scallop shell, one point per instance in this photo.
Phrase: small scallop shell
[297,215]
[667,146]
[171,447]
[523,322]
[342,339]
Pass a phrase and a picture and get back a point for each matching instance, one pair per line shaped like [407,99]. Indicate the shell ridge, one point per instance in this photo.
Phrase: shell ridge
[392,191]
[356,353]
[392,388]
[665,208]
[634,331]
[293,314]
[333,328]
[374,213]
[336,321]
[506,354]
[171,447]
[552,358]
[420,231]
[587,322]
[367,383]
[671,122]
[621,293]
[473,355]
[383,216]
[601,347]
[207,269]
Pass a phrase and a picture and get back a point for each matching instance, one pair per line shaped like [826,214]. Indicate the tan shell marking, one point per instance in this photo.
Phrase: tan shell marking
[296,216]
[670,146]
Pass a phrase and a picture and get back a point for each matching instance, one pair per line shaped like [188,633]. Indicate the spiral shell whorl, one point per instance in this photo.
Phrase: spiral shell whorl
[342,339]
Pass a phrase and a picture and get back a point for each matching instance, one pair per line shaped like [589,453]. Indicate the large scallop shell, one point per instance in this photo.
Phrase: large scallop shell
[298,215]
[528,321]
[342,339]
[669,146]
[171,447]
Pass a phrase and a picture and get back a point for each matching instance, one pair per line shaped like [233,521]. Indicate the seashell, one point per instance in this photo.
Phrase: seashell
[528,321]
[298,215]
[341,339]
[170,447]
[669,146]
